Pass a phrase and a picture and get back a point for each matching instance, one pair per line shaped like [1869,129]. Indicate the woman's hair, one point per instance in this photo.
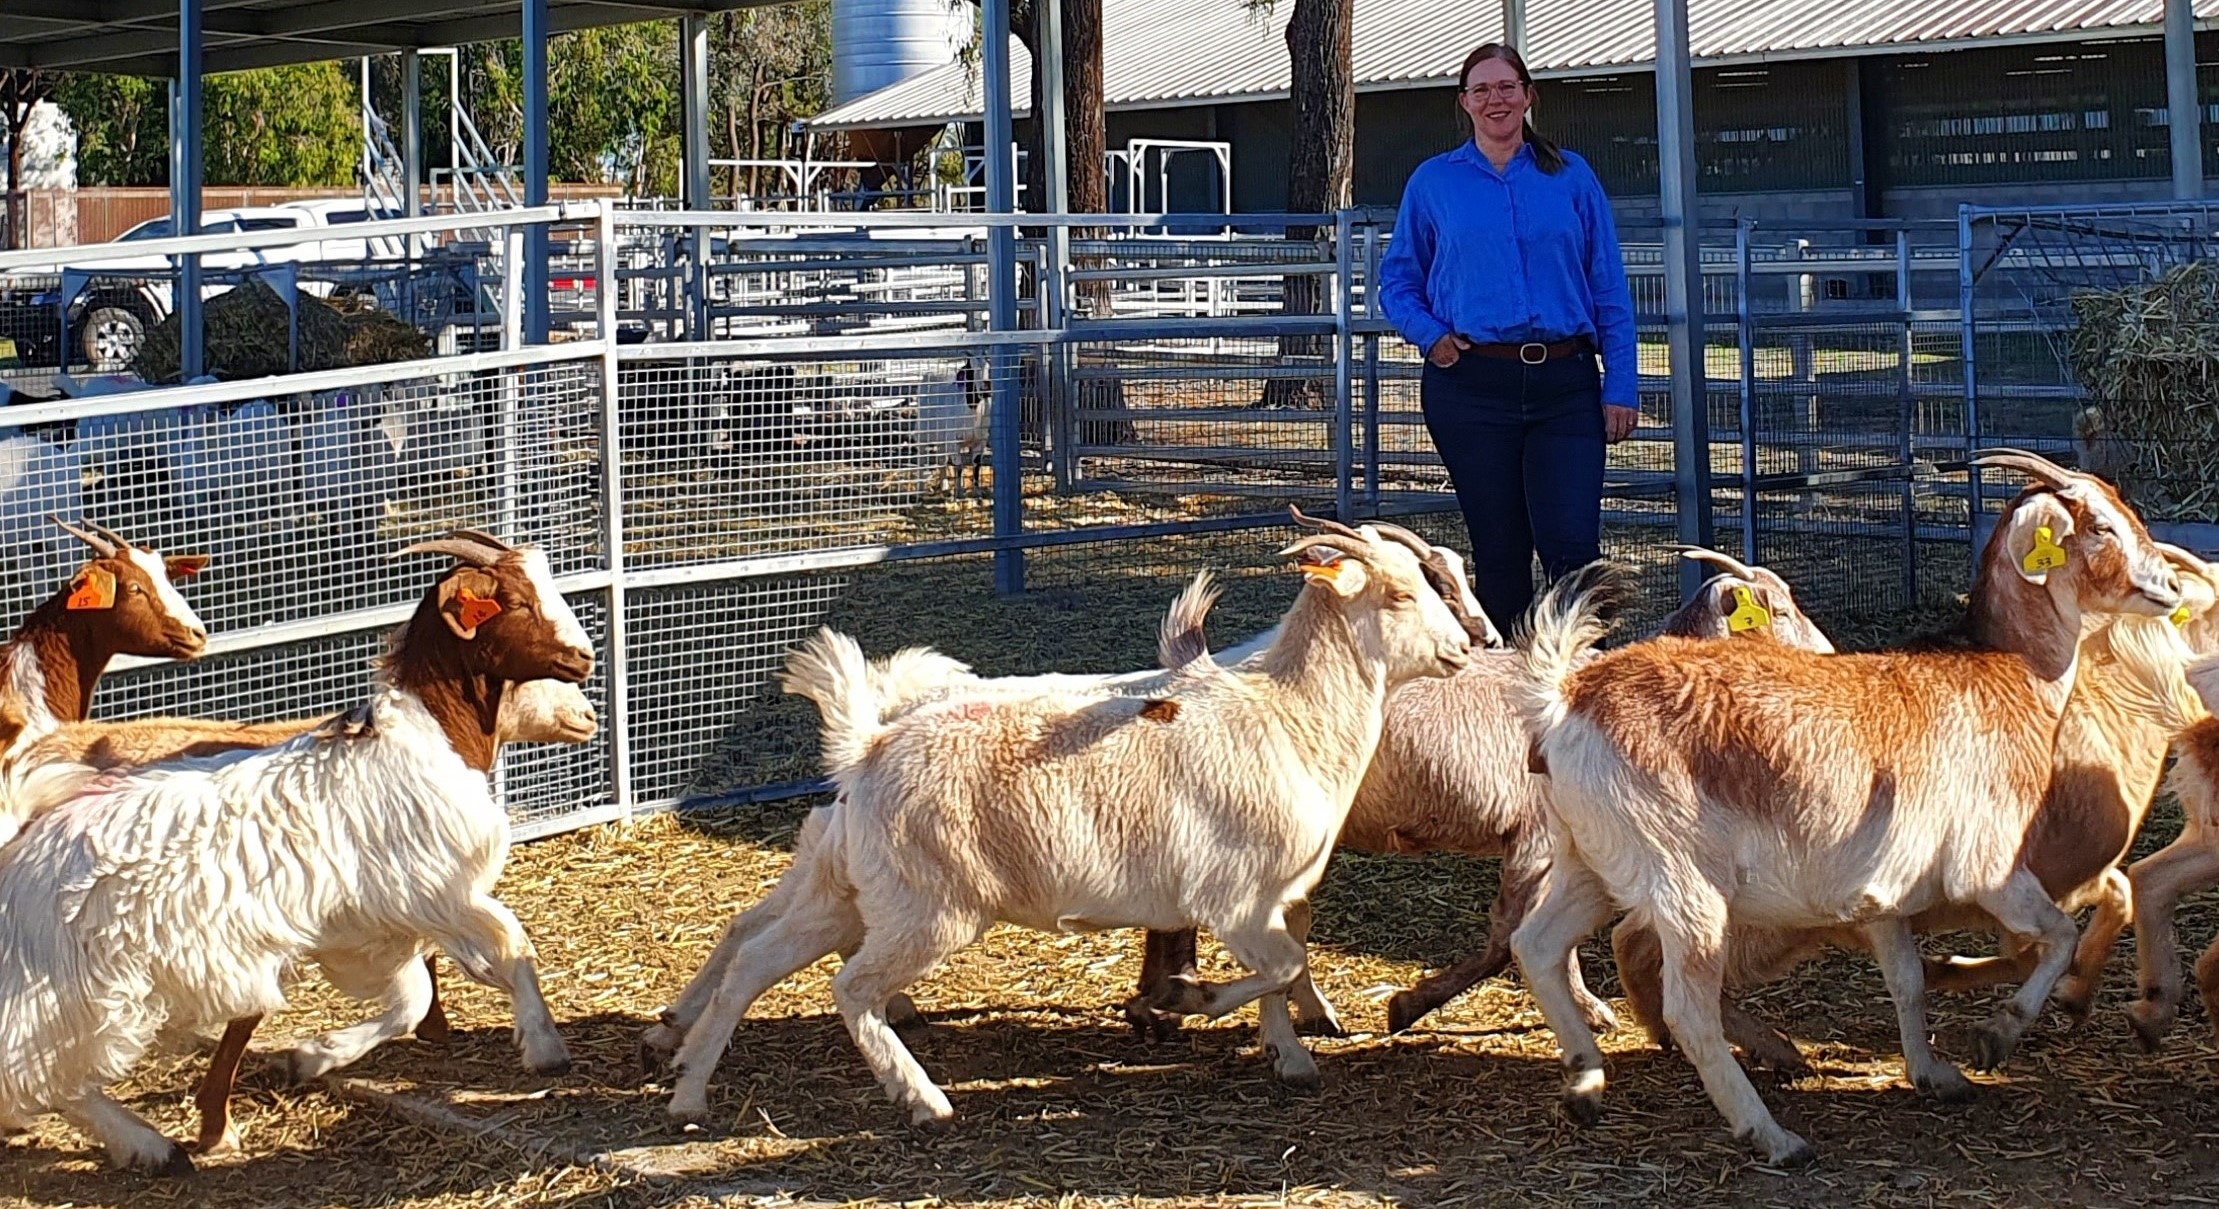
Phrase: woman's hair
[1545,153]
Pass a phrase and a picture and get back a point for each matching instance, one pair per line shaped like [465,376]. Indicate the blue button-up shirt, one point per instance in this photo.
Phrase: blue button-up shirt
[1509,257]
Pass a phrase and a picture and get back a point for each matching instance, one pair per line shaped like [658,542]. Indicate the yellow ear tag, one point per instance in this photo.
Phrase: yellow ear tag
[1328,574]
[1748,614]
[95,589]
[2046,555]
[2180,616]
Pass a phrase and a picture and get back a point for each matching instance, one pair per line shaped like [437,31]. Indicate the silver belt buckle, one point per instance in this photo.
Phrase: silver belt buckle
[1533,352]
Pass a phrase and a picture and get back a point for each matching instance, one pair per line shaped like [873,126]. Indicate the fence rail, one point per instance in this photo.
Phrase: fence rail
[753,424]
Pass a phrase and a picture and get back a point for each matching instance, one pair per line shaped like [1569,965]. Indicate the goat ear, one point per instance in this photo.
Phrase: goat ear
[1344,576]
[185,566]
[466,601]
[2033,538]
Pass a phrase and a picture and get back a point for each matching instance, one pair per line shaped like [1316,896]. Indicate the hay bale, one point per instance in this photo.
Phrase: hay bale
[246,331]
[2148,356]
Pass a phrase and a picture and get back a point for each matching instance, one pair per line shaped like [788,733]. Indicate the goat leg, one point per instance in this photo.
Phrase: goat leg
[1168,960]
[433,1028]
[213,1098]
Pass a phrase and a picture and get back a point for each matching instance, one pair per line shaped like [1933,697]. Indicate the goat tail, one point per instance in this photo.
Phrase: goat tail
[28,792]
[1181,641]
[913,676]
[830,670]
[1561,627]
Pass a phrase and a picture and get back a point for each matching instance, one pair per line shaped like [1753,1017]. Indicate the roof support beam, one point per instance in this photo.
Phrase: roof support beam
[1683,282]
[185,171]
[536,34]
[2183,105]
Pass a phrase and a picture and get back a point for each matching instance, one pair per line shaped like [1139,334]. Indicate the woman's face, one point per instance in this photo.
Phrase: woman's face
[1495,100]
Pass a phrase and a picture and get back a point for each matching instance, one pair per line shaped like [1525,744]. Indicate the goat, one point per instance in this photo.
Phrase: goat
[121,603]
[1701,786]
[1214,803]
[2188,864]
[356,838]
[919,676]
[954,425]
[532,711]
[2128,700]
[1452,775]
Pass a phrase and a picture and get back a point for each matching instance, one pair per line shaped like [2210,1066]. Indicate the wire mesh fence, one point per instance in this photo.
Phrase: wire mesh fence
[806,419]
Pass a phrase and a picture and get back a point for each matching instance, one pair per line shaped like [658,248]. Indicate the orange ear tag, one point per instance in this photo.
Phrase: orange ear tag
[476,610]
[94,589]
[1328,574]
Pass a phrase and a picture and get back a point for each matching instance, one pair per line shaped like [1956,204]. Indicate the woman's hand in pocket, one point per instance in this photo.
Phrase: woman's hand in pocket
[1618,422]
[1448,350]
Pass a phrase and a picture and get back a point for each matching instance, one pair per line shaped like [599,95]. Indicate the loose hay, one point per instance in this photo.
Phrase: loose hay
[2147,357]
[247,332]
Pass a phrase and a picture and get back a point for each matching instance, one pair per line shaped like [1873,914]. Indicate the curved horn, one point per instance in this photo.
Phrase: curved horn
[99,546]
[1725,562]
[1325,524]
[122,542]
[477,554]
[1354,547]
[477,535]
[2033,465]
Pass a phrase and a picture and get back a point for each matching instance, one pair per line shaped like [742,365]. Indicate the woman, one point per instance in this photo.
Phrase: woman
[1504,270]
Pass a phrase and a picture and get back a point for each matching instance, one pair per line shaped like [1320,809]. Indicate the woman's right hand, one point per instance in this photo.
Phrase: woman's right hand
[1447,350]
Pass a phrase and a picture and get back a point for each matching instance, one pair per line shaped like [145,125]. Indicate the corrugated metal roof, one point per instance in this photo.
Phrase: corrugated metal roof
[1158,52]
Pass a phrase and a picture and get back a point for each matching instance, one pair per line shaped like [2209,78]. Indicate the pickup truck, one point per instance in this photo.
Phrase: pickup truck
[109,318]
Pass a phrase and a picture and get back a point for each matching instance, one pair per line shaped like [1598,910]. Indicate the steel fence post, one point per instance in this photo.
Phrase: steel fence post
[1344,453]
[612,502]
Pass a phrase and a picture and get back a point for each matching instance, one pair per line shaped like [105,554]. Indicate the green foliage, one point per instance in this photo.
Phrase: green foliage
[614,107]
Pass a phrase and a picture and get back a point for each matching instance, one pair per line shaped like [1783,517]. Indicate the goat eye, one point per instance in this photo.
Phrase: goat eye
[1400,598]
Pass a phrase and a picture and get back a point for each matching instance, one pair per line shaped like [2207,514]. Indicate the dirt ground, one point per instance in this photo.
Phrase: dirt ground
[1061,1104]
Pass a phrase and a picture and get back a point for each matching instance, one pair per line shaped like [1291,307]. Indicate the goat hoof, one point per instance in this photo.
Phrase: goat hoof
[2150,1024]
[557,1065]
[901,1012]
[1403,1011]
[1153,1024]
[1991,1047]
[1582,1107]
[1947,1086]
[1326,1025]
[652,1061]
[1790,1153]
[1598,1015]
[170,1163]
[687,1115]
[217,1143]
[932,1119]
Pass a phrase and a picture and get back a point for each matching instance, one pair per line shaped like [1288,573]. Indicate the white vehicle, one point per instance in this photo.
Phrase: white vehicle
[128,294]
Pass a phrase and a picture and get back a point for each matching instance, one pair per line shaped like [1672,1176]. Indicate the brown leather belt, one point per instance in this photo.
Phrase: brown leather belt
[1535,353]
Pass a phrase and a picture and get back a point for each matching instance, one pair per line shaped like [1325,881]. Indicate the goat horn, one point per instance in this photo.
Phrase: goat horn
[99,546]
[476,553]
[122,542]
[2033,465]
[1354,547]
[477,535]
[1726,562]
[1327,524]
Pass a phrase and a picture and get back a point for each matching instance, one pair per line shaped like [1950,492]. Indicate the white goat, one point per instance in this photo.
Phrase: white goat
[379,826]
[1214,804]
[954,426]
[1701,786]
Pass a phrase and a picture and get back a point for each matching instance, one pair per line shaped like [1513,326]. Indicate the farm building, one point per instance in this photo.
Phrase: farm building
[1803,110]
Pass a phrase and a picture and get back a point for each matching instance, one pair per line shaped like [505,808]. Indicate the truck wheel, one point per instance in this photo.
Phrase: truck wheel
[109,336]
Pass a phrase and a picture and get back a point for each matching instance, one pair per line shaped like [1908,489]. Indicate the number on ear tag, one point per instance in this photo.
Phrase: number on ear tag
[1748,614]
[476,610]
[95,589]
[2180,616]
[2046,555]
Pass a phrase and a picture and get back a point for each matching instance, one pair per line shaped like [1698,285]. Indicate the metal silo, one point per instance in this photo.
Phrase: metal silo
[880,42]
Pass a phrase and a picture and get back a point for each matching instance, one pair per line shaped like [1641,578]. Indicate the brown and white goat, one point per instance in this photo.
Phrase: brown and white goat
[367,835]
[1701,786]
[1452,775]
[2129,700]
[123,602]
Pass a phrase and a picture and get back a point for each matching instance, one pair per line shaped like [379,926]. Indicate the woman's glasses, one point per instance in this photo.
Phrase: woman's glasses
[1506,91]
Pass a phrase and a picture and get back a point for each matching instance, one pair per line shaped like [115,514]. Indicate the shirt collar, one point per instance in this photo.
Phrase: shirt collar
[1471,155]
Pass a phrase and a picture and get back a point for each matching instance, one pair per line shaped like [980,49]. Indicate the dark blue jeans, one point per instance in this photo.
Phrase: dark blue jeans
[1524,449]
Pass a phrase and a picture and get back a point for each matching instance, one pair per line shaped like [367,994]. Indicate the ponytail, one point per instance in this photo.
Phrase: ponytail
[1547,156]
